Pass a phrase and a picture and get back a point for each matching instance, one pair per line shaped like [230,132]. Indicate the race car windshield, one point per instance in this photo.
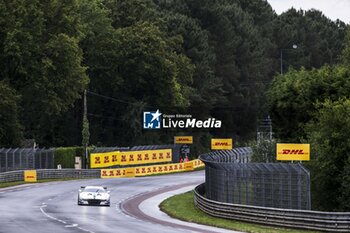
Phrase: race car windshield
[95,190]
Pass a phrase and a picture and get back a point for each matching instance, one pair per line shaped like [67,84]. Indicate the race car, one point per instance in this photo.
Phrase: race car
[94,195]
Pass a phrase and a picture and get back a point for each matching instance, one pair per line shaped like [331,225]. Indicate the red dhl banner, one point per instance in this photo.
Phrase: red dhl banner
[151,170]
[108,159]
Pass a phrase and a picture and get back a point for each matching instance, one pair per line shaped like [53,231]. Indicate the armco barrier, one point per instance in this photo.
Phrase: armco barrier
[11,176]
[302,219]
[51,174]
[91,173]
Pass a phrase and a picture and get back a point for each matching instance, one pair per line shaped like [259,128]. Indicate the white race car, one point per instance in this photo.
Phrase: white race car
[94,195]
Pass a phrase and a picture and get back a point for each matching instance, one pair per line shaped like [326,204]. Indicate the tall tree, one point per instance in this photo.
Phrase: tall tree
[125,13]
[10,128]
[319,39]
[41,59]
[206,87]
[328,134]
[153,73]
[345,56]
[292,97]
[133,64]
[241,62]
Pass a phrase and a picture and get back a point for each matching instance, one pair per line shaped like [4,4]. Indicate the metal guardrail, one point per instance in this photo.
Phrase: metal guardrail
[51,174]
[11,176]
[302,219]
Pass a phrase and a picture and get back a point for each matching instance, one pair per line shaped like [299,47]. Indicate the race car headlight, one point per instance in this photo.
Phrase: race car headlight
[84,195]
[102,196]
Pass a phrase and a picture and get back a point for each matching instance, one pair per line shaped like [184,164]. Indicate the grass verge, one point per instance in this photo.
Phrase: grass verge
[15,183]
[182,207]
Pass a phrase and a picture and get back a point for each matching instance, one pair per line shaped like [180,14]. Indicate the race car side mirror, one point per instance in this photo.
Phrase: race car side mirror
[108,192]
[79,190]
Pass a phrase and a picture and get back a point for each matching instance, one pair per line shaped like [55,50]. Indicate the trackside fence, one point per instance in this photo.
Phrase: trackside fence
[230,177]
[103,173]
[51,174]
[17,159]
[302,219]
[12,159]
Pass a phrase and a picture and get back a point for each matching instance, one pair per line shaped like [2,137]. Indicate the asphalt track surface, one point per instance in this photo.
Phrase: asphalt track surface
[52,207]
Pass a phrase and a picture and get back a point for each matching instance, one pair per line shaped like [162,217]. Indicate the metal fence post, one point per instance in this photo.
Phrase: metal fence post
[27,159]
[1,159]
[41,158]
[46,160]
[6,160]
[34,158]
[13,159]
[20,159]
[53,158]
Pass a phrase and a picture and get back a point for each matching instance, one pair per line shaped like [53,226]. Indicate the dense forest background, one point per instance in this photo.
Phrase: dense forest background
[208,58]
[205,58]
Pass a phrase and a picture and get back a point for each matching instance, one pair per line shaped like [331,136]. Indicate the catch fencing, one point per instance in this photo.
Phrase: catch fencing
[14,159]
[231,179]
[25,158]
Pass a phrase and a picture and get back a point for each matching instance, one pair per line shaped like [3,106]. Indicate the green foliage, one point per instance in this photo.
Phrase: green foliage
[10,128]
[206,87]
[344,197]
[41,58]
[292,97]
[329,134]
[346,51]
[264,151]
[319,39]
[313,107]
[200,57]
[66,156]
[126,13]
[152,61]
[232,58]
